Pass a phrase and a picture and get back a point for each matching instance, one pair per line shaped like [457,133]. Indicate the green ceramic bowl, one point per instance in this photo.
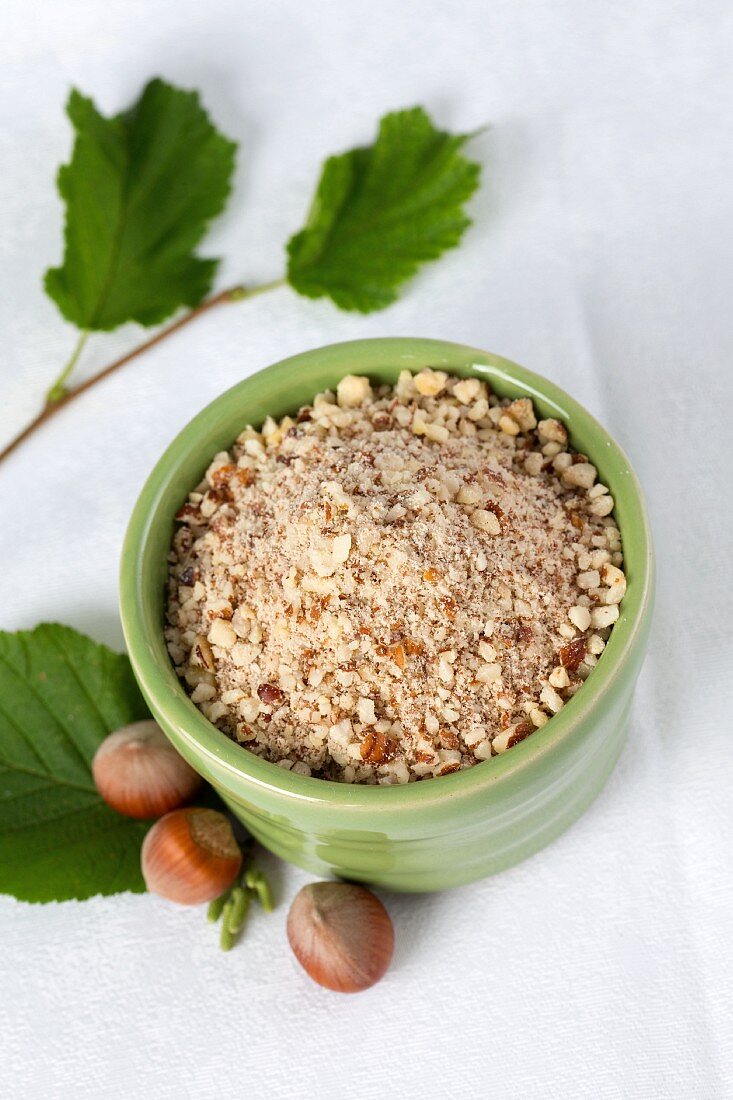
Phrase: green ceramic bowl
[439,832]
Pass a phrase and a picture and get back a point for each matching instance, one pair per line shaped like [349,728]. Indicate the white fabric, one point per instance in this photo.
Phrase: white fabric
[600,257]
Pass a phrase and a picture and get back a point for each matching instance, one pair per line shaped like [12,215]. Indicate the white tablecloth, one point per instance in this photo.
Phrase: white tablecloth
[601,257]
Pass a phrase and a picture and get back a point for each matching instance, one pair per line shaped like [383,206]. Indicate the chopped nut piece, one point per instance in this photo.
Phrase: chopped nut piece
[203,692]
[551,699]
[467,390]
[397,654]
[445,669]
[377,748]
[419,423]
[271,694]
[522,411]
[599,558]
[341,548]
[580,474]
[559,678]
[533,463]
[352,391]
[579,616]
[552,431]
[562,462]
[222,634]
[512,736]
[602,617]
[479,410]
[201,653]
[489,673]
[508,425]
[437,432]
[616,581]
[572,654]
[518,732]
[365,711]
[601,506]
[430,382]
[485,521]
[468,494]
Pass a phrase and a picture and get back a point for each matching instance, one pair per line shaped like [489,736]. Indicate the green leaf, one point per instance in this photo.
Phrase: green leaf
[60,695]
[139,190]
[381,211]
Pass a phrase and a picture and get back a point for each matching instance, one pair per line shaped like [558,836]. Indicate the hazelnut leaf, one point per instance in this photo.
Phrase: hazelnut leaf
[140,190]
[60,695]
[381,211]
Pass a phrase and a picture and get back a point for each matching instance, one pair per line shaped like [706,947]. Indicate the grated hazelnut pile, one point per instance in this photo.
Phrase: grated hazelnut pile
[395,584]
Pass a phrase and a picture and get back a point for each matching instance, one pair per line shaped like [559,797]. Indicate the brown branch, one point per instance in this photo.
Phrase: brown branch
[232,294]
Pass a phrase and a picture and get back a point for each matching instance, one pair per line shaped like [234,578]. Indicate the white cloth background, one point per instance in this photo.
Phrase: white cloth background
[601,257]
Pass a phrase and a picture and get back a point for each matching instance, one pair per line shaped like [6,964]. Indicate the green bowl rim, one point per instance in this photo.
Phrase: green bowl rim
[150,658]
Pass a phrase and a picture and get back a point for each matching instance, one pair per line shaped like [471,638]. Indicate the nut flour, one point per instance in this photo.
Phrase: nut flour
[396,584]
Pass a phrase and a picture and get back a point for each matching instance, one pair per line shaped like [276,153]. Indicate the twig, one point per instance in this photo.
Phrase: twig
[52,406]
[58,389]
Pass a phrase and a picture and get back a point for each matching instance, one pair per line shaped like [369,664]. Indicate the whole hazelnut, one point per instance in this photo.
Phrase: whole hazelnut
[341,935]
